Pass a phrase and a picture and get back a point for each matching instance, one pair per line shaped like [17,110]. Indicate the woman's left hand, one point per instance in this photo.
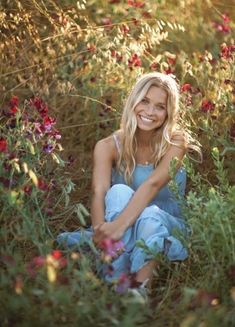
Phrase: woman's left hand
[113,230]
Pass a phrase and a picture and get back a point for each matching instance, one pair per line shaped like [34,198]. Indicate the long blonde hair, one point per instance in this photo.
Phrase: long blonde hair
[164,135]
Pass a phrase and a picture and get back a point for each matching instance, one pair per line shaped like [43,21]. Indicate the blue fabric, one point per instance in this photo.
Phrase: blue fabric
[156,225]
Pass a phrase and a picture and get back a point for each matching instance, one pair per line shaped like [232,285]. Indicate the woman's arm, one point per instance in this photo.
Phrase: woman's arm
[144,194]
[101,178]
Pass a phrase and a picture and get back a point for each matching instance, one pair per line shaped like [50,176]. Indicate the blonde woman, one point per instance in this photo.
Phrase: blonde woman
[131,199]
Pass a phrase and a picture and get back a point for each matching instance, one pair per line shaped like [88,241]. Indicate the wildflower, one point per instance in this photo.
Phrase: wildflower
[171,59]
[3,145]
[135,3]
[134,61]
[13,110]
[42,185]
[48,122]
[56,254]
[186,87]
[168,71]
[41,106]
[14,102]
[226,51]
[207,106]
[154,66]
[111,248]
[123,283]
[27,189]
[48,148]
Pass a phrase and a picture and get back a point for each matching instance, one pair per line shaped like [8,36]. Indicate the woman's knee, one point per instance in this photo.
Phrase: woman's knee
[117,197]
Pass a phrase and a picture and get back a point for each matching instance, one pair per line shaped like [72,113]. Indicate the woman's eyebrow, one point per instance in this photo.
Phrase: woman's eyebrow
[156,103]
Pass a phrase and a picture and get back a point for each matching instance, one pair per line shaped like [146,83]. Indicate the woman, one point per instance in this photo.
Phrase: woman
[131,199]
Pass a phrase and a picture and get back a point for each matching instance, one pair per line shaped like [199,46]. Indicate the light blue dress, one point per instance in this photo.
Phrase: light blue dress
[157,225]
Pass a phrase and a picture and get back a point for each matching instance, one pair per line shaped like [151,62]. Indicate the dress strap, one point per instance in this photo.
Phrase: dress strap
[117,142]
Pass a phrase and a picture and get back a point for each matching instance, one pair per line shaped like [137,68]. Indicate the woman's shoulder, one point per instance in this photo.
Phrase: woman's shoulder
[109,144]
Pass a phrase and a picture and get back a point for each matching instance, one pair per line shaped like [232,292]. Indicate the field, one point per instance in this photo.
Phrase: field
[66,68]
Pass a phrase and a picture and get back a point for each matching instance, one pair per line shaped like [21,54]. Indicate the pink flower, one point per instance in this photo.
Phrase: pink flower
[3,145]
[111,248]
[123,283]
[225,18]
[186,87]
[48,122]
[207,106]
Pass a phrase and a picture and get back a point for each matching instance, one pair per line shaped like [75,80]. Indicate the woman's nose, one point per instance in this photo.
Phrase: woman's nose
[150,109]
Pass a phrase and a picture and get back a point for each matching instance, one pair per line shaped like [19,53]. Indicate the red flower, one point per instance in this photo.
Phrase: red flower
[169,70]
[41,106]
[14,102]
[226,51]
[3,145]
[186,87]
[225,18]
[207,105]
[42,185]
[171,60]
[135,3]
[154,66]
[134,61]
[48,123]
[56,254]
[13,110]
[27,189]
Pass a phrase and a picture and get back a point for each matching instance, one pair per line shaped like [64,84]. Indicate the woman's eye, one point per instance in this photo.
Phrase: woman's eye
[144,101]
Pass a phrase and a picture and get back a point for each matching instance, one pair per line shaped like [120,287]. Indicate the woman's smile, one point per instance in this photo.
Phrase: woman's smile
[146,119]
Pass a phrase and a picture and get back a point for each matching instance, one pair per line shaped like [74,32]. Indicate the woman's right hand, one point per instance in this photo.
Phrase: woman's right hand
[113,230]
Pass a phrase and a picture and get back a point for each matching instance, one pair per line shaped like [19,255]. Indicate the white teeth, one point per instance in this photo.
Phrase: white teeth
[147,120]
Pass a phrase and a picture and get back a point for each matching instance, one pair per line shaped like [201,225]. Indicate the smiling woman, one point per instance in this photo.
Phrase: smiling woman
[131,199]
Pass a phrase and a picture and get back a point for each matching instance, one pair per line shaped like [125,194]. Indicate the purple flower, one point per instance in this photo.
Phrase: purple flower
[48,148]
[123,283]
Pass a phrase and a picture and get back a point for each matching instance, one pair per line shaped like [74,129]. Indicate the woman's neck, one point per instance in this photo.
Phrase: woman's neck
[144,138]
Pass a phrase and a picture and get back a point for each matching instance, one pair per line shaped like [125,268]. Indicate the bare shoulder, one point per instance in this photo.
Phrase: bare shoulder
[106,148]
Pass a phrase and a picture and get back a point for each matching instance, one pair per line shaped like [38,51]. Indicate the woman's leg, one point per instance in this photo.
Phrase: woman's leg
[116,200]
[155,227]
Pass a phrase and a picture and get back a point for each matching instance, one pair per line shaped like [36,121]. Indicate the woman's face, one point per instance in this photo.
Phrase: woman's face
[151,111]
